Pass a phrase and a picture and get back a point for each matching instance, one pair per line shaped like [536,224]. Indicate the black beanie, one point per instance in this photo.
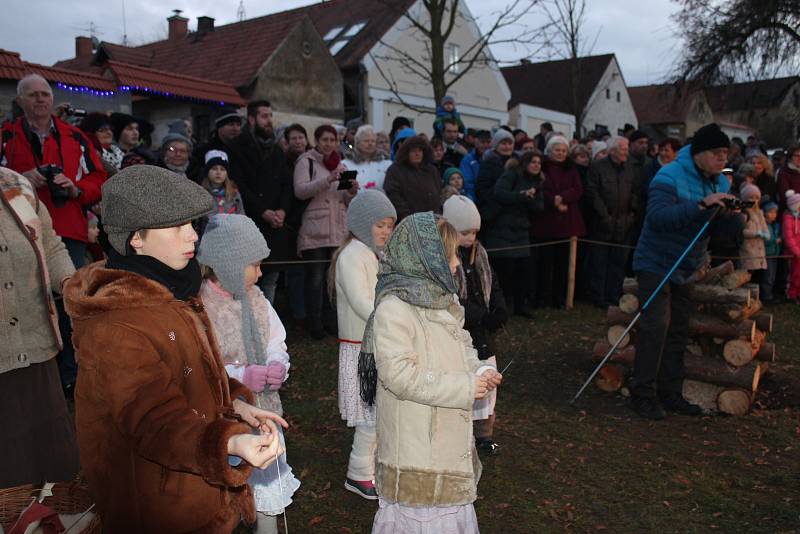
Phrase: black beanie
[709,137]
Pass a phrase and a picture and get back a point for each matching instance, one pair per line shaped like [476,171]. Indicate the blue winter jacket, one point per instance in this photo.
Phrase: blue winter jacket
[470,166]
[674,217]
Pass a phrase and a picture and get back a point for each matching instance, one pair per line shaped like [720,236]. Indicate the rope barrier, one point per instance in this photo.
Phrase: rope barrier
[546,244]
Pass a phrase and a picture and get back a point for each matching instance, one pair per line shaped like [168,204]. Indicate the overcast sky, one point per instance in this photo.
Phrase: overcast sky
[43,31]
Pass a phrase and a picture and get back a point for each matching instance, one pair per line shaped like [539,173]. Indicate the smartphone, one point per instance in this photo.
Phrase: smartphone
[346,179]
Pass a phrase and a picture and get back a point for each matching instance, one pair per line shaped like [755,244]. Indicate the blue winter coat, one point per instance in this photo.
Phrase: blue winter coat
[470,167]
[674,217]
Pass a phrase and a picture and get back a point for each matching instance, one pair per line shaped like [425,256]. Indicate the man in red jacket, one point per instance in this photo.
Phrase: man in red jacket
[39,139]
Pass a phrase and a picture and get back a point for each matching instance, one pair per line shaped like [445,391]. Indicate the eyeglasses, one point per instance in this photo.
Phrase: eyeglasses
[178,150]
[104,129]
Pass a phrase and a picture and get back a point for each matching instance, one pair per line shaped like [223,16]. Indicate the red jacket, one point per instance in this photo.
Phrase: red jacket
[69,149]
[559,179]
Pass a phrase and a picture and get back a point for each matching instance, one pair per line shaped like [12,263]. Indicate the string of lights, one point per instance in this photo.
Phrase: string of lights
[131,88]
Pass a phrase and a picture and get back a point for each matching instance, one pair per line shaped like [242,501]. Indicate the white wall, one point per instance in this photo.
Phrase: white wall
[530,118]
[601,110]
[481,95]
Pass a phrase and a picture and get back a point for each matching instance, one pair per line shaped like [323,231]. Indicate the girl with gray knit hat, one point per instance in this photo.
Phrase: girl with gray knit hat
[352,277]
[251,338]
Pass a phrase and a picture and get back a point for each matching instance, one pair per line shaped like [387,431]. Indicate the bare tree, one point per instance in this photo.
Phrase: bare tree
[434,25]
[738,39]
[566,36]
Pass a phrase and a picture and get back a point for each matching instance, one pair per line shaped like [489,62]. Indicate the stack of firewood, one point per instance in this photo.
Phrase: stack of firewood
[727,355]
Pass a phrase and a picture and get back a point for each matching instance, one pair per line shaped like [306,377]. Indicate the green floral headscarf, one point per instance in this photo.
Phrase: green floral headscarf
[416,270]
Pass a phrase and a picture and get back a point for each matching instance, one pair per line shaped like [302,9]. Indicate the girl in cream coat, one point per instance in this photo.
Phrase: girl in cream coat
[370,221]
[426,376]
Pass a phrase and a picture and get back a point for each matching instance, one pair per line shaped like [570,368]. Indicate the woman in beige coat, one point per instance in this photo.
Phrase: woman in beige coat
[753,251]
[38,435]
[323,228]
[428,376]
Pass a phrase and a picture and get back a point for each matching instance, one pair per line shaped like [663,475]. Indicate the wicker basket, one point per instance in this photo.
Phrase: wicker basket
[68,498]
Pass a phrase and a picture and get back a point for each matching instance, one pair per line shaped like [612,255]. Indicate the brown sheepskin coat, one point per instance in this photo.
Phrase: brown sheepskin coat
[153,408]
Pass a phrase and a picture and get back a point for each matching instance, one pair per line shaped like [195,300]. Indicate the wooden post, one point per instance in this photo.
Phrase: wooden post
[573,254]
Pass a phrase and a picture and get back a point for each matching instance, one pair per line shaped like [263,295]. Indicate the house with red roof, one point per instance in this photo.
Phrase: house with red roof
[341,72]
[281,58]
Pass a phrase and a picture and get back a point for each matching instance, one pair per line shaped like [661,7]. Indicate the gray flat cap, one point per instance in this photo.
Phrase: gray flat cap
[144,196]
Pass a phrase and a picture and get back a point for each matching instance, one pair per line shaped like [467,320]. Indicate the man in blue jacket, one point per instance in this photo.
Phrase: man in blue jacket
[471,163]
[681,198]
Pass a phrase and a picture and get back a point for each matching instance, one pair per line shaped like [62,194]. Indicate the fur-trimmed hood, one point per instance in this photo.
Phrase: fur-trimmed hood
[96,290]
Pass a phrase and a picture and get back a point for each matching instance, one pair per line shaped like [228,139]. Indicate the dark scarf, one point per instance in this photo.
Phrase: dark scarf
[183,284]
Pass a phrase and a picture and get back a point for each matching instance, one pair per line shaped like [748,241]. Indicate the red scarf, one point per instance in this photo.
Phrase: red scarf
[332,160]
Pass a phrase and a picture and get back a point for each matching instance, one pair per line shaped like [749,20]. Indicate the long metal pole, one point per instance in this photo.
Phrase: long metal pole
[645,306]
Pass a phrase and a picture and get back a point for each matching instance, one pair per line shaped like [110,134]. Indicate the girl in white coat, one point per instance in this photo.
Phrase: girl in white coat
[251,339]
[354,273]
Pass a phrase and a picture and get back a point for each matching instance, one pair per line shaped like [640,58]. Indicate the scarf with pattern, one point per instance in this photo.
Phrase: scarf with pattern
[415,269]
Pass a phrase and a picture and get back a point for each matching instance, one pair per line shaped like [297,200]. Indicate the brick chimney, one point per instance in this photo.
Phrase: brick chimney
[178,26]
[205,25]
[83,46]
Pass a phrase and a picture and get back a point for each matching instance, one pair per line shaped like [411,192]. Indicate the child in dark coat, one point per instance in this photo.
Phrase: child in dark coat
[446,110]
[484,306]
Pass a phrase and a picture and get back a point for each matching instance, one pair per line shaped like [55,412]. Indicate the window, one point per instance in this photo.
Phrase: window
[337,46]
[353,30]
[453,58]
[333,33]
[608,93]
[618,96]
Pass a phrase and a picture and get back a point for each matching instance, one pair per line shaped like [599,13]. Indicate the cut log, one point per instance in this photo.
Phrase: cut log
[719,295]
[715,274]
[624,356]
[615,332]
[736,279]
[703,394]
[716,371]
[630,286]
[616,316]
[763,322]
[766,353]
[629,303]
[705,325]
[734,401]
[611,377]
[732,313]
[738,352]
[755,290]
[698,367]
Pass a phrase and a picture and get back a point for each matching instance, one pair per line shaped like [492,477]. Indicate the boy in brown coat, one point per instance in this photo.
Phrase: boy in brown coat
[161,427]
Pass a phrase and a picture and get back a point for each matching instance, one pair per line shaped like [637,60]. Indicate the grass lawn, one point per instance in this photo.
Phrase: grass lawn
[591,468]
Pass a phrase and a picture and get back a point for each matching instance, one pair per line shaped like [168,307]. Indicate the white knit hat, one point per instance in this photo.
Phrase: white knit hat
[462,213]
[597,147]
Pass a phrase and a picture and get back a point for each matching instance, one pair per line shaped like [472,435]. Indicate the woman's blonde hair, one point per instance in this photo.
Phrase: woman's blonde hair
[765,162]
[449,236]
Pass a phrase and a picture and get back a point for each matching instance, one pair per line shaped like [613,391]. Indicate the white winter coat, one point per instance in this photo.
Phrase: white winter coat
[356,277]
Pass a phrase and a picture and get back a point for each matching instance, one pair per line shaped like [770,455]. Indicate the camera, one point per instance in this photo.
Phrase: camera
[69,111]
[60,195]
[735,204]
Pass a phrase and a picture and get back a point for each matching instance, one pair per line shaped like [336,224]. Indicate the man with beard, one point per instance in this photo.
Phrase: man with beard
[227,127]
[258,167]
